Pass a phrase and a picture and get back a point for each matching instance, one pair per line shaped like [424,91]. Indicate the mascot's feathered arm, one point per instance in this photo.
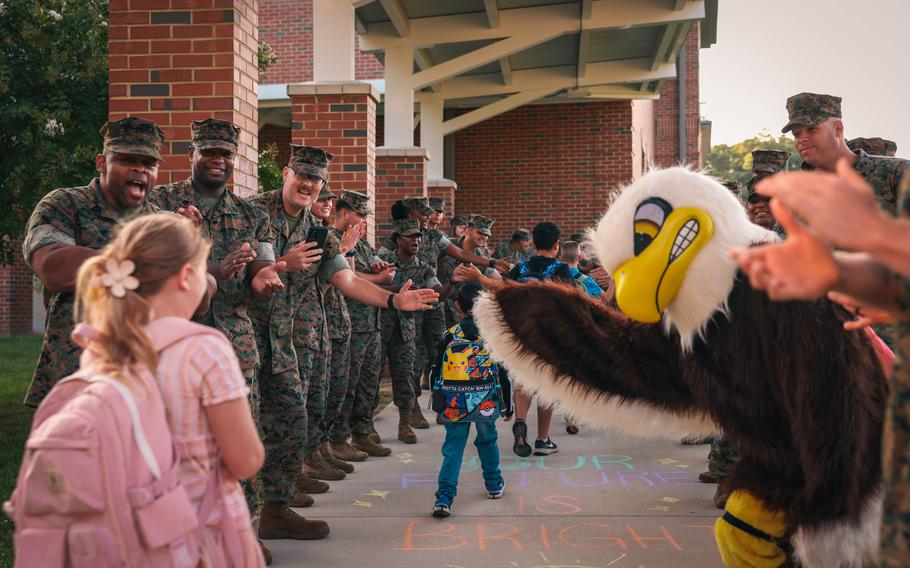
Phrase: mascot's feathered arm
[592,362]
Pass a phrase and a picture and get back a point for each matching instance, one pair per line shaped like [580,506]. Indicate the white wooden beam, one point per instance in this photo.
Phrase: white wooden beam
[398,17]
[679,4]
[424,61]
[399,97]
[584,43]
[494,109]
[478,57]
[505,67]
[662,45]
[681,33]
[562,77]
[359,25]
[492,10]
[549,20]
[359,3]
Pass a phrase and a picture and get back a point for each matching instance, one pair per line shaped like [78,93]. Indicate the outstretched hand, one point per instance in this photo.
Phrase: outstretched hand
[865,315]
[465,273]
[352,235]
[799,268]
[409,300]
[267,281]
[191,213]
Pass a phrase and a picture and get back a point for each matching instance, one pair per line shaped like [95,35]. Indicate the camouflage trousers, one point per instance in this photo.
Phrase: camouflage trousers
[723,456]
[431,324]
[339,364]
[895,531]
[363,387]
[283,420]
[401,356]
[315,367]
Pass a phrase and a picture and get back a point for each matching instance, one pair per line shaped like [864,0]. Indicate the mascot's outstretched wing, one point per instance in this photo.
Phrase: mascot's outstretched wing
[590,361]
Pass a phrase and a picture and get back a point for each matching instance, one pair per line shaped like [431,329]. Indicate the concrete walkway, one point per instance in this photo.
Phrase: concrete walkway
[604,500]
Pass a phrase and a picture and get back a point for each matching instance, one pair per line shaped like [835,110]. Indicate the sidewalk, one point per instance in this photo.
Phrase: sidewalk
[603,500]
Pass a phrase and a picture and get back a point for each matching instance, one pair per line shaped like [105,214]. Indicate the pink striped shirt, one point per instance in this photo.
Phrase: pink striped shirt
[195,373]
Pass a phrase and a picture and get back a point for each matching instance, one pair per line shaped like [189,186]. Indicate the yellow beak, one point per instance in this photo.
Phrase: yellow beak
[647,283]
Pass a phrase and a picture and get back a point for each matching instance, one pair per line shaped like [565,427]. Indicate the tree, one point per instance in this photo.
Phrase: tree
[735,162]
[270,177]
[53,100]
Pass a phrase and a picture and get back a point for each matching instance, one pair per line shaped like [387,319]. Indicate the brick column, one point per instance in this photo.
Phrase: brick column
[444,188]
[400,172]
[175,61]
[340,118]
[16,295]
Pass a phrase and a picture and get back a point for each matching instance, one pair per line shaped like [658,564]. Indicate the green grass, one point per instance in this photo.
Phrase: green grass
[19,355]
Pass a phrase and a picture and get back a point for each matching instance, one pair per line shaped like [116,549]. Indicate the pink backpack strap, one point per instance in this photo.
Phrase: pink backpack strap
[165,332]
[230,536]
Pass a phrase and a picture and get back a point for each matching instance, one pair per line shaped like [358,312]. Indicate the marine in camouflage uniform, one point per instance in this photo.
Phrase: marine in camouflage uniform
[399,331]
[365,363]
[881,172]
[506,251]
[447,265]
[81,217]
[895,532]
[875,146]
[290,336]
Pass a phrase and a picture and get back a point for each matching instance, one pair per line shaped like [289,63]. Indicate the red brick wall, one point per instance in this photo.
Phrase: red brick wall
[545,162]
[666,111]
[175,61]
[15,296]
[397,177]
[287,26]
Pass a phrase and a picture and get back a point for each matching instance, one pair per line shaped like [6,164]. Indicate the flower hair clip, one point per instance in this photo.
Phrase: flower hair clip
[118,277]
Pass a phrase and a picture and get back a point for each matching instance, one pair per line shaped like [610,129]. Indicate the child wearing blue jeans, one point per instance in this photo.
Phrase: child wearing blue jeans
[468,387]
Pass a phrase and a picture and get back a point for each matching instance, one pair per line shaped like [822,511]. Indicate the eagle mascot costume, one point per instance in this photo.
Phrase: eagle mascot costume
[694,350]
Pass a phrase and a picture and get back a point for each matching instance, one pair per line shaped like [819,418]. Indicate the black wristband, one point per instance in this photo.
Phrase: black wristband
[390,302]
[491,263]
[349,254]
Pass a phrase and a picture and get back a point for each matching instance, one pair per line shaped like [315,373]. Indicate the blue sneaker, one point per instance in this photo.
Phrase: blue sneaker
[520,431]
[544,447]
[443,507]
[497,491]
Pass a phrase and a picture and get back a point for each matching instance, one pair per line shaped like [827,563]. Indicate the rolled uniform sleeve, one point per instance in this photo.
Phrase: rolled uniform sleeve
[52,222]
[443,242]
[331,266]
[432,282]
[265,251]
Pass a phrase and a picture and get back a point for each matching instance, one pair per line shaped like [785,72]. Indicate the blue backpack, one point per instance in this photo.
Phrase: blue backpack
[466,382]
[526,274]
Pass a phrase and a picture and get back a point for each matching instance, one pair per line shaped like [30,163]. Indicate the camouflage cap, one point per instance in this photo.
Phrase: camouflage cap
[811,109]
[326,193]
[358,202]
[875,146]
[481,224]
[437,204]
[214,133]
[407,227]
[132,135]
[734,186]
[311,161]
[769,161]
[418,205]
[521,235]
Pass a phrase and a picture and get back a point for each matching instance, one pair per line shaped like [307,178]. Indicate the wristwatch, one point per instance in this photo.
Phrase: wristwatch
[491,262]
[390,302]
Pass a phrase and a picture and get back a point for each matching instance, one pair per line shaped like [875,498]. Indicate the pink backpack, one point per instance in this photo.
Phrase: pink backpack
[90,490]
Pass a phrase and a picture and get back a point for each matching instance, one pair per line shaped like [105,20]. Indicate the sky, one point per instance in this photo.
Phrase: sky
[768,50]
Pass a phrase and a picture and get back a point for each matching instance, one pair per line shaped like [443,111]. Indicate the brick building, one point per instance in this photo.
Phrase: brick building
[519,109]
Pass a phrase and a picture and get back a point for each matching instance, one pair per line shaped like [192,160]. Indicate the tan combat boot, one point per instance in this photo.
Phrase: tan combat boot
[314,466]
[279,521]
[302,499]
[405,434]
[374,435]
[344,451]
[367,445]
[417,419]
[309,485]
[709,476]
[333,461]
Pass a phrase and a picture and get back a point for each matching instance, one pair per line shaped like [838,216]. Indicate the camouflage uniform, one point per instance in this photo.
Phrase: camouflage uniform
[875,146]
[722,457]
[895,535]
[881,172]
[290,338]
[229,224]
[506,252]
[399,332]
[339,322]
[80,216]
[448,264]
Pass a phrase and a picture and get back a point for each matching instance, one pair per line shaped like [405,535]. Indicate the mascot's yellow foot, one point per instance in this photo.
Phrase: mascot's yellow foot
[748,535]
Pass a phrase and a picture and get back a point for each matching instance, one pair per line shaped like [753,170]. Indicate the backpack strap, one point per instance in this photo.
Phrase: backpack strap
[165,332]
[145,450]
[229,533]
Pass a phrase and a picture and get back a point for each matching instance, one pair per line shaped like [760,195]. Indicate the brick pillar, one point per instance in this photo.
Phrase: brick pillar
[175,61]
[444,188]
[15,295]
[340,118]
[400,172]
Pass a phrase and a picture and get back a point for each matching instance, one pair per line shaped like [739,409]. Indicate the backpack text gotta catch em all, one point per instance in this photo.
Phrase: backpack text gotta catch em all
[466,381]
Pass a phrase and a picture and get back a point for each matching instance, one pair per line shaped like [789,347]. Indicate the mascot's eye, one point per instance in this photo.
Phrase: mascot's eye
[649,218]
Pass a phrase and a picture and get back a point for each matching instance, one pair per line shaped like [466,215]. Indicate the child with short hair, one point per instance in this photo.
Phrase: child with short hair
[134,300]
[468,387]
